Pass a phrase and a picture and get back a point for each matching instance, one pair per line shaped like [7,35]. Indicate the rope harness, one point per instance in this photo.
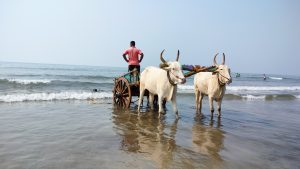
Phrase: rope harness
[169,78]
[220,81]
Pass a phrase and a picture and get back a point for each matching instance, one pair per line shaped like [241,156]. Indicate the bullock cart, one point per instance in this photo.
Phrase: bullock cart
[127,86]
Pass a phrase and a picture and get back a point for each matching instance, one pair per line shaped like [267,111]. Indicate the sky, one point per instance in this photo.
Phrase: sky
[257,36]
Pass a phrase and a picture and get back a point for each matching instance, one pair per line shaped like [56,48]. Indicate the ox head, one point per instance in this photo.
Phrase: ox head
[174,69]
[223,71]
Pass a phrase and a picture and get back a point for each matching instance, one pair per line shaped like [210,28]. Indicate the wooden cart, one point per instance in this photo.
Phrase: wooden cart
[127,85]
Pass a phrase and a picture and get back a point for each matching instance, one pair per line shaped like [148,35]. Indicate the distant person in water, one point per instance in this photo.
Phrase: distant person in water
[265,78]
[237,75]
[133,59]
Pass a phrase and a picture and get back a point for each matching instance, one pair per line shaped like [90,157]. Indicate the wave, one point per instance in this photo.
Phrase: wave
[276,78]
[28,81]
[266,97]
[263,88]
[249,88]
[59,76]
[35,82]
[254,97]
[271,97]
[55,96]
[82,95]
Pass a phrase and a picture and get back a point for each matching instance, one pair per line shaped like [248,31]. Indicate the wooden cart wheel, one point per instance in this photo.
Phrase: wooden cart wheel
[122,93]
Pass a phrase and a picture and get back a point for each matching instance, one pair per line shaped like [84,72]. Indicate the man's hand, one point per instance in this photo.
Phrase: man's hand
[124,56]
[142,56]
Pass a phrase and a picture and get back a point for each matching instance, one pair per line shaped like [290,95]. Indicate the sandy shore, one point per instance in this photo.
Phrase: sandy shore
[86,134]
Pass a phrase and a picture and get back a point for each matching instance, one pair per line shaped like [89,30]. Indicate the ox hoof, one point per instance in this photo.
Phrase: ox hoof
[177,115]
[198,112]
[212,111]
[163,113]
[160,116]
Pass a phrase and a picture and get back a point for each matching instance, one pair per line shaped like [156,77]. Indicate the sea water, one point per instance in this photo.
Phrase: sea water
[51,117]
[39,82]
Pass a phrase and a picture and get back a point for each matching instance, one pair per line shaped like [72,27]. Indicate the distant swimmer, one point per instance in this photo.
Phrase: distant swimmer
[265,78]
[237,75]
[96,90]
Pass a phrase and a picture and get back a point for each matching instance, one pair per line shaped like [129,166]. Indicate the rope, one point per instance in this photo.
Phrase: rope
[169,78]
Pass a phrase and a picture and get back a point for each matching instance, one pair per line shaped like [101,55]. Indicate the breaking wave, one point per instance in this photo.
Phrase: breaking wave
[249,97]
[27,81]
[249,88]
[55,96]
[34,82]
[276,78]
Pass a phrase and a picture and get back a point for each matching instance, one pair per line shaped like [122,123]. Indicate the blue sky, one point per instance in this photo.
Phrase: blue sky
[257,36]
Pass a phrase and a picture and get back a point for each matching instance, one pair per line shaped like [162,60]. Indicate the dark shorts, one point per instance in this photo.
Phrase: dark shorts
[131,67]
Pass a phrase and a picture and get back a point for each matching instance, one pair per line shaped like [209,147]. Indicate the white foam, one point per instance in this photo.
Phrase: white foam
[29,81]
[249,88]
[252,97]
[276,78]
[186,87]
[54,96]
[263,88]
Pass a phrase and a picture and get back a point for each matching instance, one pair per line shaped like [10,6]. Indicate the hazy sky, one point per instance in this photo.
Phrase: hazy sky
[259,36]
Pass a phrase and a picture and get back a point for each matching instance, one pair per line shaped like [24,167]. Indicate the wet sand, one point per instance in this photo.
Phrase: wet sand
[95,134]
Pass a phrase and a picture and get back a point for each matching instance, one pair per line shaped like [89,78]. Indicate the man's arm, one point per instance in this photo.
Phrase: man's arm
[124,56]
[142,56]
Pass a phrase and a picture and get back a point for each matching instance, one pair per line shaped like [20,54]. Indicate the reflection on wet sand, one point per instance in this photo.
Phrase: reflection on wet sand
[146,135]
[155,139]
[208,140]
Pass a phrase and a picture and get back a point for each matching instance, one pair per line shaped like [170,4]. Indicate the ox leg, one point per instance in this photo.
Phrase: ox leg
[175,106]
[151,99]
[197,93]
[142,92]
[160,106]
[200,102]
[211,104]
[219,102]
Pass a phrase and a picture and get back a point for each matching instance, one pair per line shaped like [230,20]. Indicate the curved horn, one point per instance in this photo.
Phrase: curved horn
[215,62]
[177,58]
[223,62]
[161,57]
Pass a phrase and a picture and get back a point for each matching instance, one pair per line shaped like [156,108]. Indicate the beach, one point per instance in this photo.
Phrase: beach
[50,118]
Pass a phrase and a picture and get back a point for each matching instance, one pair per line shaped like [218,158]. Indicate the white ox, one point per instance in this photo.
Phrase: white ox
[162,82]
[212,85]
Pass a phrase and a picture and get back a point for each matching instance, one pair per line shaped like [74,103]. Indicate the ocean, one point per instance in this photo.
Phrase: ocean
[40,82]
[51,117]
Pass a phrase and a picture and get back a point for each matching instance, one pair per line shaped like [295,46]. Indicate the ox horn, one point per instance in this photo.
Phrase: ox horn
[161,57]
[177,58]
[215,62]
[223,62]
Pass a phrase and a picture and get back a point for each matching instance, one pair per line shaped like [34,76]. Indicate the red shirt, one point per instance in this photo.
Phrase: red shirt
[133,55]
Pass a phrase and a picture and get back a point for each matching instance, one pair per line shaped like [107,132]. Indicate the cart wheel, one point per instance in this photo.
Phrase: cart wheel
[122,93]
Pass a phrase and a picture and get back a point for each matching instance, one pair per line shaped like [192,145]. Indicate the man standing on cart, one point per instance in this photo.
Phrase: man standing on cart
[133,57]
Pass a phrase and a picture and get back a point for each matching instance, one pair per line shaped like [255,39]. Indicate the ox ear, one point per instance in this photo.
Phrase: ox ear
[215,71]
